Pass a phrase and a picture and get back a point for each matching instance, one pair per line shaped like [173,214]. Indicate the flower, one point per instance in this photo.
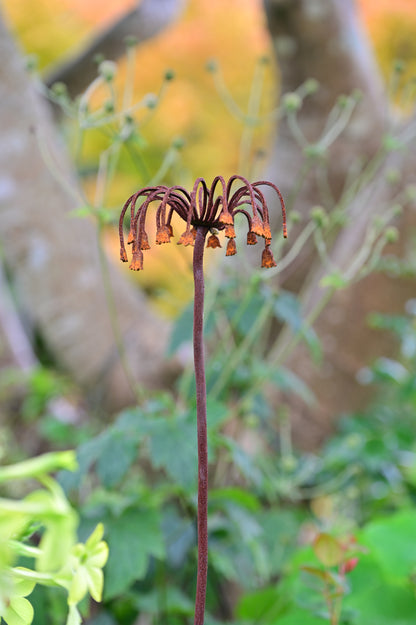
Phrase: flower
[16,609]
[83,571]
[214,207]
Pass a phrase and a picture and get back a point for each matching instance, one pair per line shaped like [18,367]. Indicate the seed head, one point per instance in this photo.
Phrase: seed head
[213,208]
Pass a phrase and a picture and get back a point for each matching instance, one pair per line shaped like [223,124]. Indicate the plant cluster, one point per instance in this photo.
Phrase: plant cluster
[38,545]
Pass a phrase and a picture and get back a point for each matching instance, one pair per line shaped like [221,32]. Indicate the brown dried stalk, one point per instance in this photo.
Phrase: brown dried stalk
[203,210]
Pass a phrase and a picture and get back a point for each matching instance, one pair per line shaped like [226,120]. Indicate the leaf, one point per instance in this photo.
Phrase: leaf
[392,543]
[334,280]
[133,538]
[245,320]
[180,536]
[235,495]
[173,447]
[217,414]
[375,599]
[174,602]
[182,330]
[328,550]
[317,572]
[287,309]
[243,461]
[265,604]
[118,453]
[391,370]
[288,381]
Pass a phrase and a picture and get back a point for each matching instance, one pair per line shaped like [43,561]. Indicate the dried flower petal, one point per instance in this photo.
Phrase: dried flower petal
[169,226]
[213,241]
[187,238]
[231,248]
[144,245]
[123,255]
[130,238]
[251,238]
[226,218]
[137,261]
[267,259]
[162,235]
[229,232]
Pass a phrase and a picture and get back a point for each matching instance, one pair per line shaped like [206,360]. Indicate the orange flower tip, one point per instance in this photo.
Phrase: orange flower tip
[137,261]
[162,235]
[284,231]
[123,255]
[229,232]
[144,243]
[169,227]
[226,218]
[257,226]
[135,265]
[267,231]
[231,248]
[251,238]
[130,238]
[213,241]
[187,238]
[267,259]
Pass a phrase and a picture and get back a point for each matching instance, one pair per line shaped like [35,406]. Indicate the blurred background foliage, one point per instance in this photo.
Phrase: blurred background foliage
[185,128]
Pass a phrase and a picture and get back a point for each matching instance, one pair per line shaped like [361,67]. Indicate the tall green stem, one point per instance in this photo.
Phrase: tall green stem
[201,416]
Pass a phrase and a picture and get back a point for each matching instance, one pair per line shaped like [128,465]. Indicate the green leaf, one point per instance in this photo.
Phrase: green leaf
[245,463]
[288,381]
[182,330]
[217,414]
[118,453]
[133,538]
[173,447]
[392,544]
[174,602]
[262,605]
[334,280]
[234,495]
[328,550]
[375,599]
[287,309]
[297,616]
[180,536]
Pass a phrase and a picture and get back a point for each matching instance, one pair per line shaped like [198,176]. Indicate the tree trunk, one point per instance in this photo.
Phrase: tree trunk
[322,39]
[53,256]
[143,22]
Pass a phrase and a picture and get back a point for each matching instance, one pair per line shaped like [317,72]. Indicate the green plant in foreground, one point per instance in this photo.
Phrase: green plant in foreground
[41,529]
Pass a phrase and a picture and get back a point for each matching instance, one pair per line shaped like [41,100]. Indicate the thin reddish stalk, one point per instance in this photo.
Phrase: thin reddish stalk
[201,417]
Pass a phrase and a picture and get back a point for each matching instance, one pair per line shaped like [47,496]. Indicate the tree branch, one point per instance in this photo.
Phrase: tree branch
[143,22]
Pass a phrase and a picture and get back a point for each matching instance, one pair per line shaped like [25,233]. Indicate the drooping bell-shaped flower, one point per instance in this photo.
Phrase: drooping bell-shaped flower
[214,207]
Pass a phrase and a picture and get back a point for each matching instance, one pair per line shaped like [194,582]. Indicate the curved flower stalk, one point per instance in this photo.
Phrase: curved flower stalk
[205,210]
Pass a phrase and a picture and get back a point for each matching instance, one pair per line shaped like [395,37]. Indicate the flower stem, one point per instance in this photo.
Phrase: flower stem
[201,416]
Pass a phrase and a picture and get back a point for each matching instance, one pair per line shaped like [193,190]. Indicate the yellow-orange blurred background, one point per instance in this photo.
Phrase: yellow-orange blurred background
[232,32]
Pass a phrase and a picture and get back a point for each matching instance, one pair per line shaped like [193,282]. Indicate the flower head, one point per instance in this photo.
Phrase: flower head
[214,207]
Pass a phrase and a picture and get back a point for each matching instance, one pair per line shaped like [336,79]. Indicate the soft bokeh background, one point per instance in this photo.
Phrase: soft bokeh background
[191,109]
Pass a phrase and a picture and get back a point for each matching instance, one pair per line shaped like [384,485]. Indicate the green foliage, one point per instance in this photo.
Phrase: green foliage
[57,560]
